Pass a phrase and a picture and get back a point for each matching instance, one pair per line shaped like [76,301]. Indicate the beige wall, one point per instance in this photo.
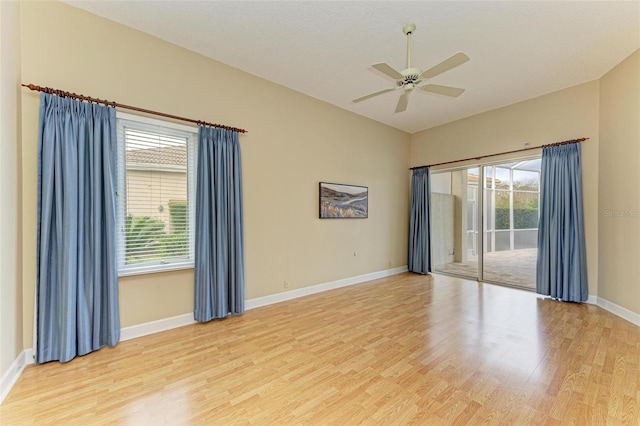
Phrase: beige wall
[562,115]
[10,266]
[619,182]
[294,142]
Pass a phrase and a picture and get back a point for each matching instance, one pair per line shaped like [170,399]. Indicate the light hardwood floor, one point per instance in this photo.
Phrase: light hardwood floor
[408,349]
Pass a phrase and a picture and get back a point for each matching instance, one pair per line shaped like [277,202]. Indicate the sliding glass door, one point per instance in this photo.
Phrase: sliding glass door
[485,220]
[454,222]
[510,244]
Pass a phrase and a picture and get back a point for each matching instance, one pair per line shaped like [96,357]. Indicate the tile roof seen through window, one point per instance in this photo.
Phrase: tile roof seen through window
[174,155]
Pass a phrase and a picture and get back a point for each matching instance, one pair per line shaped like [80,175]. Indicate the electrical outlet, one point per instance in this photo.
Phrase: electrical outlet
[286,284]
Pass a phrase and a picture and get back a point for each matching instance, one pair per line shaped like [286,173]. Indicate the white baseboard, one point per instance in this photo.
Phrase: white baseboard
[144,329]
[306,291]
[592,300]
[29,357]
[632,317]
[10,376]
[164,324]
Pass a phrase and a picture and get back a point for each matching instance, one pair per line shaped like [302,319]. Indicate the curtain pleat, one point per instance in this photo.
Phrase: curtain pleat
[77,280]
[561,264]
[420,223]
[219,242]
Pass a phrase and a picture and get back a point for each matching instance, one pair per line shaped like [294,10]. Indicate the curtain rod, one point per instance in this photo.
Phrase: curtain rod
[123,106]
[503,153]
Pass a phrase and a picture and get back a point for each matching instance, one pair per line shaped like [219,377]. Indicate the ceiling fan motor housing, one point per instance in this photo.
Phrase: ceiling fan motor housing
[411,76]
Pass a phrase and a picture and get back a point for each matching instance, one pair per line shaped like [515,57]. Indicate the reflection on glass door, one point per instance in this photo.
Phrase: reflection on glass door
[504,226]
[511,198]
[454,222]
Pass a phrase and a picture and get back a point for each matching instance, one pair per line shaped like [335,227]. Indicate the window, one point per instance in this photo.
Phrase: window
[156,193]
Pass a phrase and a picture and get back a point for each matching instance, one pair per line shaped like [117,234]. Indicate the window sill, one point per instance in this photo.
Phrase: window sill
[154,269]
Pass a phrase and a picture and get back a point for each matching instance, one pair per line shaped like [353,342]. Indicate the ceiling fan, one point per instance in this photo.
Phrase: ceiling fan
[410,78]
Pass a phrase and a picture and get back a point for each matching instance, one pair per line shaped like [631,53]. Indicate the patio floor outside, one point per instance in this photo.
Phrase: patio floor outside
[512,267]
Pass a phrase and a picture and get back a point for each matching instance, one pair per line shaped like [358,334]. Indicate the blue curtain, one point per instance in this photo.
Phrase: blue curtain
[420,223]
[77,278]
[219,243]
[561,264]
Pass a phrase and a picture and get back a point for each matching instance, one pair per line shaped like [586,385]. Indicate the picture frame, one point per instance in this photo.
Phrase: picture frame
[342,201]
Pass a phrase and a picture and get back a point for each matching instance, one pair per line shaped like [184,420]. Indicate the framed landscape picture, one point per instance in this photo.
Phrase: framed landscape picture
[338,201]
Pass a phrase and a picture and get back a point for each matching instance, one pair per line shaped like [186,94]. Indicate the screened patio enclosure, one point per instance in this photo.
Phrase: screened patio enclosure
[485,221]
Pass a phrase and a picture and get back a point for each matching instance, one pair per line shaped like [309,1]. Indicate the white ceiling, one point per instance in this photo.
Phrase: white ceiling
[518,49]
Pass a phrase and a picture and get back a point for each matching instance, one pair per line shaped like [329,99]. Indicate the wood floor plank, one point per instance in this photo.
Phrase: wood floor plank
[408,349]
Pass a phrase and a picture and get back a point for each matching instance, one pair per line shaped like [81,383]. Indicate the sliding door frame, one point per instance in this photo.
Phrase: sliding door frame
[480,211]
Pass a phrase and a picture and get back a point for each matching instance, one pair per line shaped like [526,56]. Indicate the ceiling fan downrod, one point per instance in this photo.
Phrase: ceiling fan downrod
[408,30]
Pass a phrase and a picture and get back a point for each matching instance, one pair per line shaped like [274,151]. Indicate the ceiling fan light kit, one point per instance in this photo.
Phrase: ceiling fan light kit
[410,77]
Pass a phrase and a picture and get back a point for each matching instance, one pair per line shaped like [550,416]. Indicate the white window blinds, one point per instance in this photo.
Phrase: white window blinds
[156,193]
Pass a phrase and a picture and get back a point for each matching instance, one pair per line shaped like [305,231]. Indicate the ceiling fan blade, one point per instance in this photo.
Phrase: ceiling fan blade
[402,102]
[457,59]
[454,92]
[386,69]
[364,98]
